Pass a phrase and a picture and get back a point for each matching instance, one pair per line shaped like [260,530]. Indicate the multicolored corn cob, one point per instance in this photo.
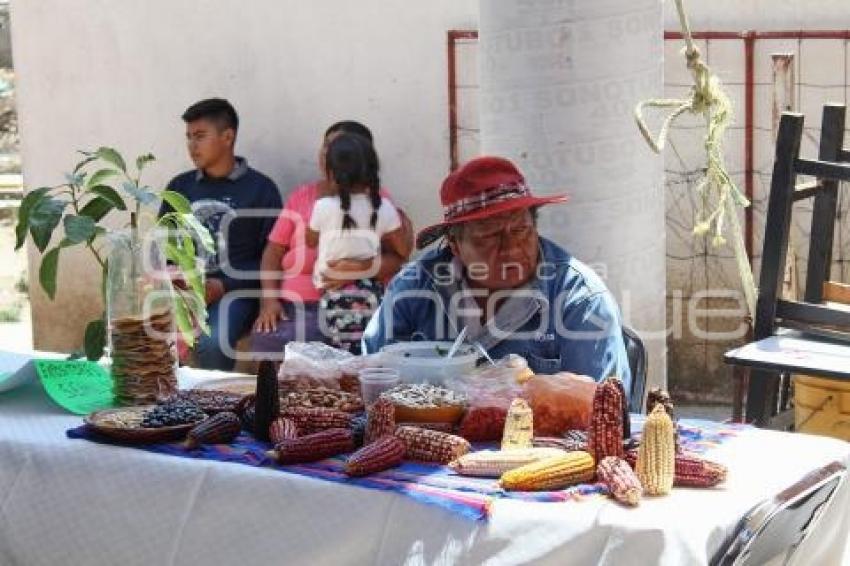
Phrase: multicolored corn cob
[621,480]
[691,470]
[656,458]
[382,454]
[430,445]
[313,447]
[221,428]
[605,433]
[552,473]
[380,420]
[314,419]
[494,463]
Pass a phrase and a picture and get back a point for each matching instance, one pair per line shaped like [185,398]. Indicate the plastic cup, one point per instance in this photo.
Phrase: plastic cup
[374,381]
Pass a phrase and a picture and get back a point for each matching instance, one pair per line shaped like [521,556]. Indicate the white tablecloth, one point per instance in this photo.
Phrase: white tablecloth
[73,502]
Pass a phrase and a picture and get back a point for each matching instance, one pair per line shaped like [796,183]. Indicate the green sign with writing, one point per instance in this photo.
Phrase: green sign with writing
[77,386]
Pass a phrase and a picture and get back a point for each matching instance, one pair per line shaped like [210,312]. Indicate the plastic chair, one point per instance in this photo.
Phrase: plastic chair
[636,352]
[777,526]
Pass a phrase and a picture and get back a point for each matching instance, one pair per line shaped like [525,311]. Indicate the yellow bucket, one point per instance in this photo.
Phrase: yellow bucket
[822,406]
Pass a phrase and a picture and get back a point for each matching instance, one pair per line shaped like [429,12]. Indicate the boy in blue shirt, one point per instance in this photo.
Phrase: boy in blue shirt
[238,205]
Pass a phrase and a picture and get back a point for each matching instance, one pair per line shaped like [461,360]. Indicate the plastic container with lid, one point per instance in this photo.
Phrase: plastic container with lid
[374,381]
[426,362]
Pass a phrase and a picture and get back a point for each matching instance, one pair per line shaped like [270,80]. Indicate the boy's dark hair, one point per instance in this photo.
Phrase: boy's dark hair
[350,127]
[216,110]
[352,161]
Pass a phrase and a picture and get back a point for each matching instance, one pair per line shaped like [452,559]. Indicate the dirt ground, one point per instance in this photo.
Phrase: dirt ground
[15,324]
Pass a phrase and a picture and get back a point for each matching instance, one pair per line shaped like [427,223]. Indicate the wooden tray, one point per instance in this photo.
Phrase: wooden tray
[137,435]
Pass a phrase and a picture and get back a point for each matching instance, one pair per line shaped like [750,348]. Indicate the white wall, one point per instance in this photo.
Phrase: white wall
[93,72]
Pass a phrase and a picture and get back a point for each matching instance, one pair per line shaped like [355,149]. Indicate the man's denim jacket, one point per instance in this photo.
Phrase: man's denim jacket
[564,319]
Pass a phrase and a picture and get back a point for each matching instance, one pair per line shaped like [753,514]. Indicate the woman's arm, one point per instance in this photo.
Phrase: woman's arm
[270,274]
[311,237]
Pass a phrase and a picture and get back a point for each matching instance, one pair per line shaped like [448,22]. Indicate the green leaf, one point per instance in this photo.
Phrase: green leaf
[88,159]
[44,218]
[111,156]
[79,228]
[143,160]
[47,272]
[75,178]
[185,260]
[96,209]
[95,339]
[184,322]
[203,235]
[27,204]
[99,177]
[110,194]
[140,194]
[177,202]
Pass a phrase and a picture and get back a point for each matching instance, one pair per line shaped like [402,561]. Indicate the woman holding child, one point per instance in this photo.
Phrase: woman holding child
[354,258]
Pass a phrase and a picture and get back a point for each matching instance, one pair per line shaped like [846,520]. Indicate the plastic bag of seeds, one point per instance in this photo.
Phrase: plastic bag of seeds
[307,365]
[490,391]
[560,402]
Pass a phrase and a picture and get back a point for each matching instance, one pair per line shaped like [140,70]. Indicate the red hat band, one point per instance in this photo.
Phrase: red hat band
[484,199]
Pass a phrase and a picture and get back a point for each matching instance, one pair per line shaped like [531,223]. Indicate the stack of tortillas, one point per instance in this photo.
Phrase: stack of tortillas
[143,358]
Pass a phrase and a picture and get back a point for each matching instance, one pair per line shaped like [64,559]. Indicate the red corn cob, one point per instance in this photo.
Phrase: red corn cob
[380,420]
[621,480]
[691,470]
[605,433]
[382,454]
[314,419]
[313,447]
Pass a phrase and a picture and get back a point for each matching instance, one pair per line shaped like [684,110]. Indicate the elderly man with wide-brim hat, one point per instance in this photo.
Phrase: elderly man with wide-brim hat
[515,291]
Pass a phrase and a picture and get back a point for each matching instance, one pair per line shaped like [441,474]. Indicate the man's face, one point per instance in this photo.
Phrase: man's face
[499,252]
[207,143]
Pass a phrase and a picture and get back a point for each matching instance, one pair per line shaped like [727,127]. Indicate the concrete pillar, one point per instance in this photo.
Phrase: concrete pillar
[559,80]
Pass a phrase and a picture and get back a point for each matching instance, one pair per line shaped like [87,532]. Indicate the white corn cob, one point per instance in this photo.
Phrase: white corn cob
[494,463]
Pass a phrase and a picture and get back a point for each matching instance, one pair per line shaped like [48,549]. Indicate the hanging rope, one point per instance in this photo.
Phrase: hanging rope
[719,198]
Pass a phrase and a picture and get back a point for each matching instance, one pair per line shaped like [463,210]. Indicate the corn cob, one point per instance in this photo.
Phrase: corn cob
[282,429]
[494,463]
[691,470]
[621,480]
[382,454]
[605,433]
[313,447]
[556,472]
[380,420]
[659,396]
[431,445]
[656,458]
[314,419]
[221,428]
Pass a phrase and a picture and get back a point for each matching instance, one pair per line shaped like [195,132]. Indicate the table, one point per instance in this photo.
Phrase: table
[79,503]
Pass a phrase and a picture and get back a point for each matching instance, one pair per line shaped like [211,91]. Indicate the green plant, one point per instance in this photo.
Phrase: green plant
[99,184]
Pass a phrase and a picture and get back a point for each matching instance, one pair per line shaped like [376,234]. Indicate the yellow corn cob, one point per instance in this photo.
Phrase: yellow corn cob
[556,472]
[494,463]
[656,461]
